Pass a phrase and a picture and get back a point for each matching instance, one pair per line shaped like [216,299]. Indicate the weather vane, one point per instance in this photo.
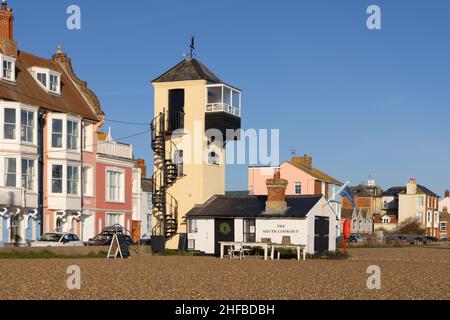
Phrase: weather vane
[192,52]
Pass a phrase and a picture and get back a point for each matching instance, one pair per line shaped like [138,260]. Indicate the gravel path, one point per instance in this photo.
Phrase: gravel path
[407,273]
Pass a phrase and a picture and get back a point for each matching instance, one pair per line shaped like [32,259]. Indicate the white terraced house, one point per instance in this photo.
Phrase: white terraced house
[48,118]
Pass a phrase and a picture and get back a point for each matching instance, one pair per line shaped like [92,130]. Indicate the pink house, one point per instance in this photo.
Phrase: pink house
[303,179]
[114,178]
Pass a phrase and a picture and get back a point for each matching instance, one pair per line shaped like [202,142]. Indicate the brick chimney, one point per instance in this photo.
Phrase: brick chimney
[7,43]
[447,194]
[276,190]
[411,187]
[140,163]
[305,161]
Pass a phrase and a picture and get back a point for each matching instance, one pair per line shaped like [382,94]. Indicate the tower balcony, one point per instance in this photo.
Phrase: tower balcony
[223,98]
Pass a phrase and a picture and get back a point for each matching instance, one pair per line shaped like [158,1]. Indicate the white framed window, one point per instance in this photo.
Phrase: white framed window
[42,78]
[57,133]
[386,220]
[443,226]
[28,174]
[54,83]
[115,186]
[114,218]
[57,179]
[8,68]
[9,129]
[192,226]
[420,201]
[27,126]
[149,200]
[191,244]
[87,181]
[10,172]
[298,188]
[88,139]
[72,135]
[72,180]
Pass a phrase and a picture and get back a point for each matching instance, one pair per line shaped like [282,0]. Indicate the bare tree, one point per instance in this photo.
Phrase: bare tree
[410,226]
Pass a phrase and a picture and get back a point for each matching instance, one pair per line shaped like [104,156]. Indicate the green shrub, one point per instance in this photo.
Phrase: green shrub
[46,254]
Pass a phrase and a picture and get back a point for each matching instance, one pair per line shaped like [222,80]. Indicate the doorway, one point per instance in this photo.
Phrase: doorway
[176,109]
[224,231]
[321,234]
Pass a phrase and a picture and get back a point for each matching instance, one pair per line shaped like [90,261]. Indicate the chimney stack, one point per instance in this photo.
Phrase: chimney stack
[411,188]
[276,190]
[304,161]
[7,43]
[140,163]
[447,194]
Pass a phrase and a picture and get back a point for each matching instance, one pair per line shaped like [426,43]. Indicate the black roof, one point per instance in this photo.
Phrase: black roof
[253,206]
[394,191]
[189,69]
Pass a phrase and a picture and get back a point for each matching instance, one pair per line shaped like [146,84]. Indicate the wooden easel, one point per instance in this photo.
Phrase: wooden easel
[114,249]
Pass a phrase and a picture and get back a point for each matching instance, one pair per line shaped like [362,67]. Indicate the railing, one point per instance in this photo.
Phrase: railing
[115,149]
[12,196]
[17,197]
[217,107]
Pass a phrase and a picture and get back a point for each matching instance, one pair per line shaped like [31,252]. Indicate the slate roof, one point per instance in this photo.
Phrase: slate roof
[26,90]
[188,69]
[316,173]
[253,206]
[395,191]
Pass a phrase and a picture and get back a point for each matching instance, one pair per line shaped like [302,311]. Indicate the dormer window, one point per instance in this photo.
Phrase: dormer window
[48,79]
[8,68]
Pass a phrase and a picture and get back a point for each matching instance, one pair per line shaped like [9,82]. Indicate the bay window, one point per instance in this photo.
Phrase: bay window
[72,135]
[28,174]
[72,180]
[57,133]
[27,126]
[10,124]
[57,178]
[114,218]
[10,172]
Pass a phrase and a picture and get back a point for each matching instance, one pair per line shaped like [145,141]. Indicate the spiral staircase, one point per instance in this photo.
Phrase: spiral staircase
[165,206]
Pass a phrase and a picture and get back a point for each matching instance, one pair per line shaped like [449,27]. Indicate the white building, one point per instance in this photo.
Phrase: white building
[306,220]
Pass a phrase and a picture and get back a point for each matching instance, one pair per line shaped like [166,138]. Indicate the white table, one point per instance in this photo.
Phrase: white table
[299,248]
[224,244]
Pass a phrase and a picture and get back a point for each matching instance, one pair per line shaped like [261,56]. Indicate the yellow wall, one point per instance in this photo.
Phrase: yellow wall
[201,180]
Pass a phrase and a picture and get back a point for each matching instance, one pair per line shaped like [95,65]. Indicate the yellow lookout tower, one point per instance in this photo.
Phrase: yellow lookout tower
[194,111]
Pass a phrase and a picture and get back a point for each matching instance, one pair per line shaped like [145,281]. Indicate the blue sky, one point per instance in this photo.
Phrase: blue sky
[360,102]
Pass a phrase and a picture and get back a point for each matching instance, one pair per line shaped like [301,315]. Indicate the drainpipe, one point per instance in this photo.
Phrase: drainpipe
[82,146]
[40,138]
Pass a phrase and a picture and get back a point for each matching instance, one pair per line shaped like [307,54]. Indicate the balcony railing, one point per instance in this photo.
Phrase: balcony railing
[115,149]
[17,197]
[217,107]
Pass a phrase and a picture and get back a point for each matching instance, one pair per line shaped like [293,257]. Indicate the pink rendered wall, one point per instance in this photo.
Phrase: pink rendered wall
[127,205]
[257,179]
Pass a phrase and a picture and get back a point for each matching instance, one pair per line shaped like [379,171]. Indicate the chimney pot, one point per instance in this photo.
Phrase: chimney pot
[140,163]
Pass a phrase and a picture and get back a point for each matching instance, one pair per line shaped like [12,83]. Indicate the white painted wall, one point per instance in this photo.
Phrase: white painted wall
[204,237]
[277,228]
[239,230]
